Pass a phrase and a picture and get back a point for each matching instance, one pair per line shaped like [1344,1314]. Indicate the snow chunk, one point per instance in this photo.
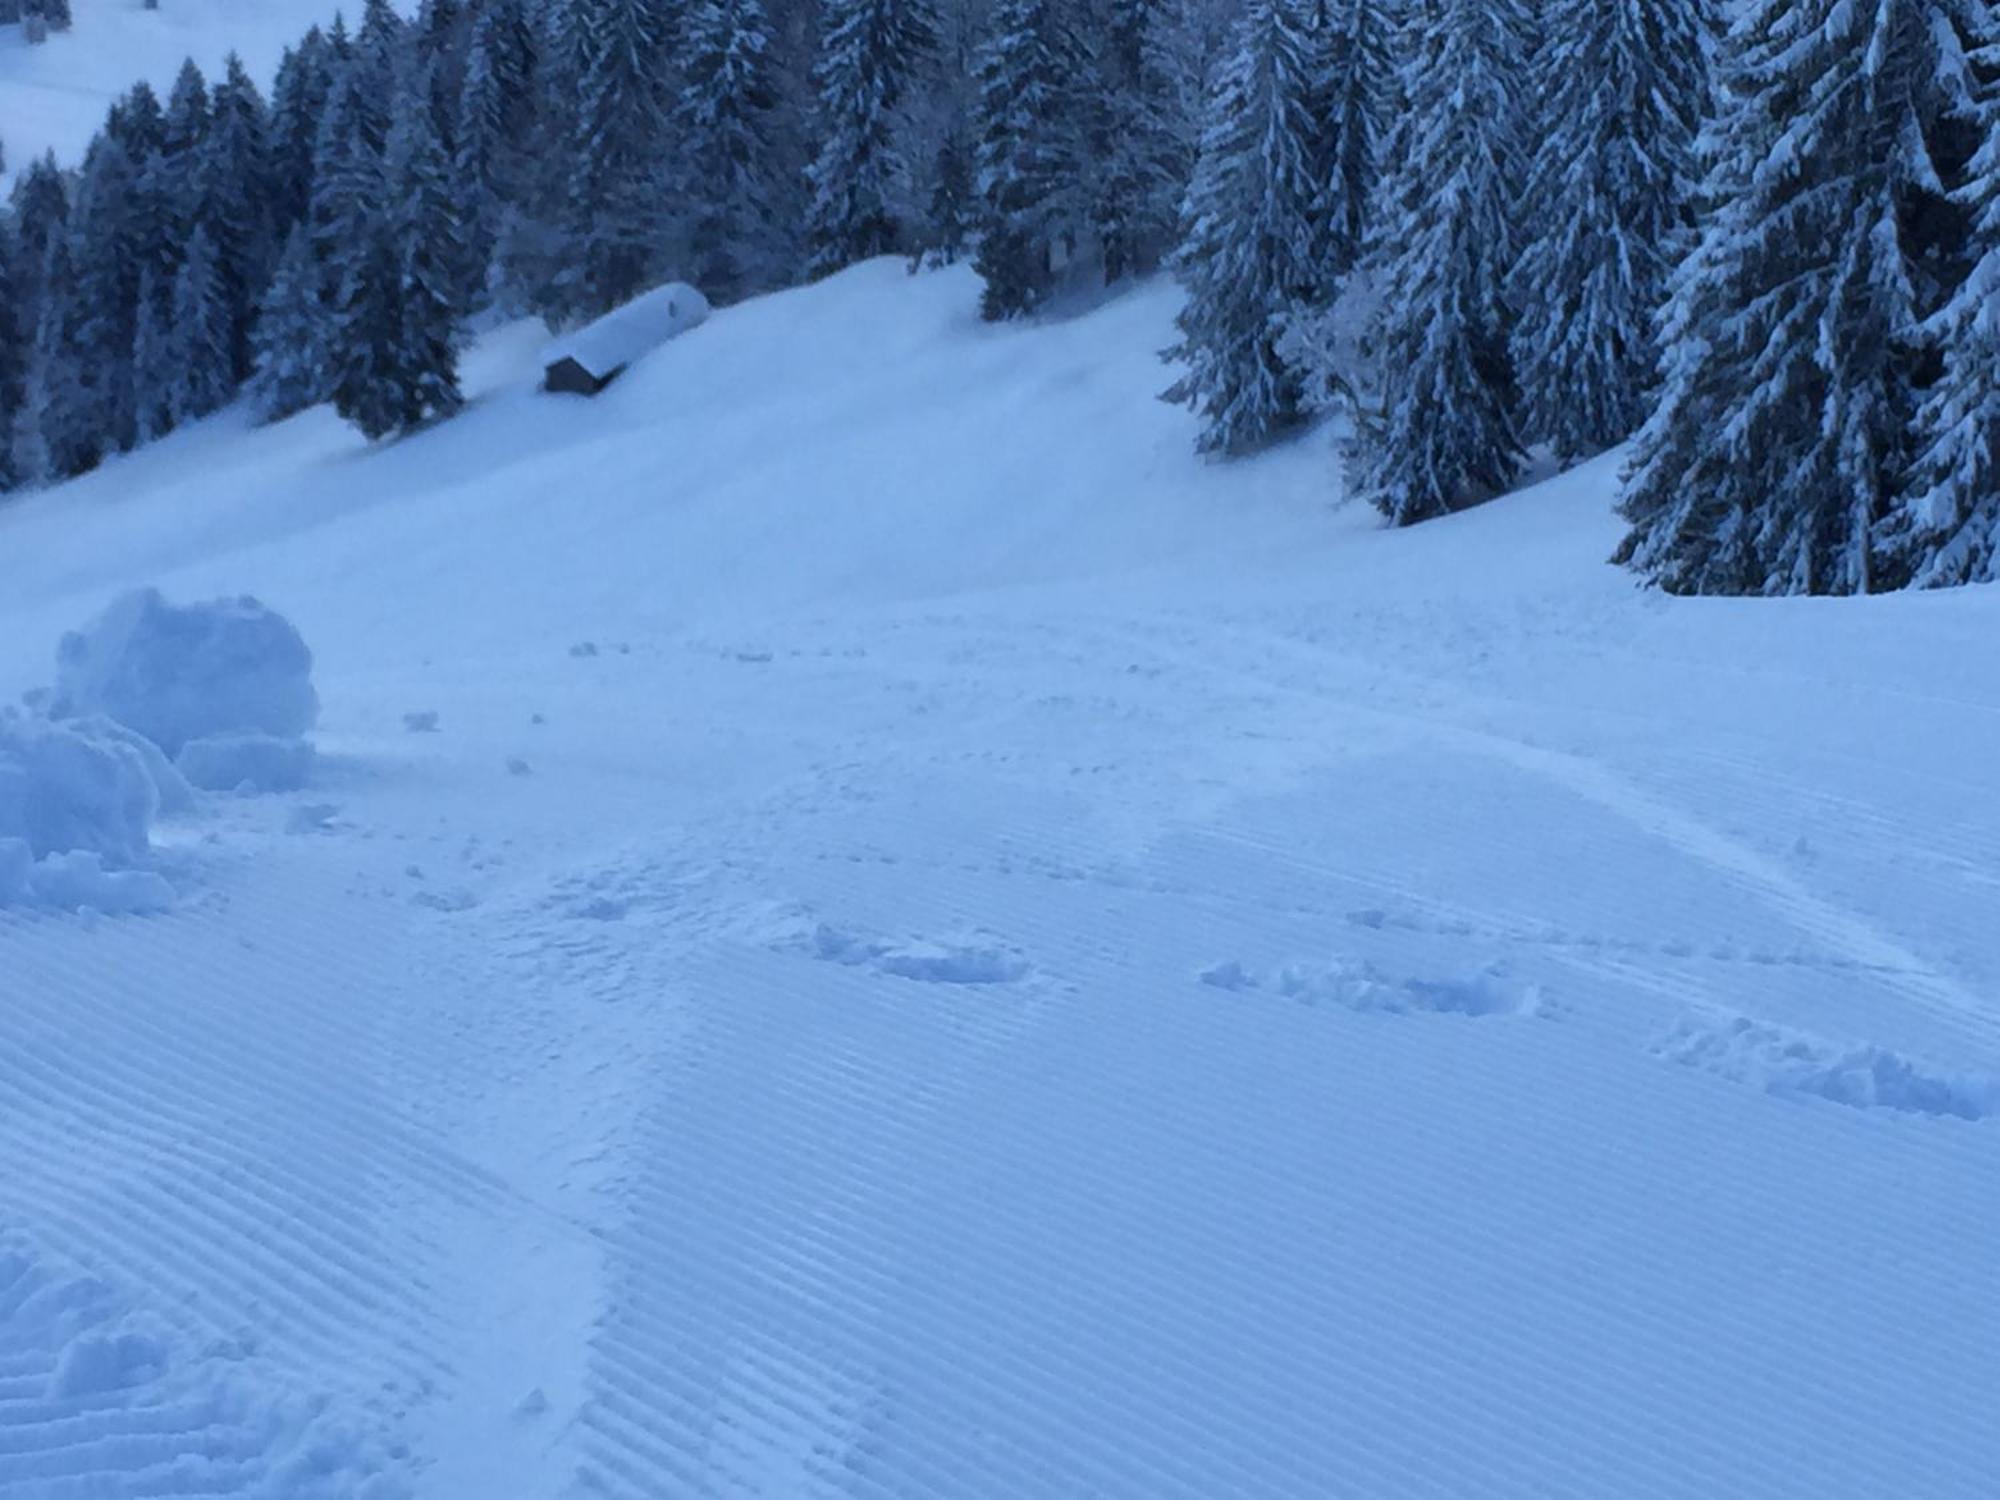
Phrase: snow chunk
[246,762]
[76,809]
[63,789]
[172,793]
[176,673]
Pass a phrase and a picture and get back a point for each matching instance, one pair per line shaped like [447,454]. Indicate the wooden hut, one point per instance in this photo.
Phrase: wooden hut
[586,361]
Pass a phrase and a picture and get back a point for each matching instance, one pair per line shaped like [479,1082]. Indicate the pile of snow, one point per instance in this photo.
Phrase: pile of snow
[183,674]
[76,811]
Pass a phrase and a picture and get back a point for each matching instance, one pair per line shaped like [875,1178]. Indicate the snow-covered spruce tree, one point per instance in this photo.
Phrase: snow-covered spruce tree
[1445,236]
[235,166]
[40,204]
[1945,526]
[1625,87]
[1250,237]
[1029,154]
[62,435]
[1357,64]
[13,354]
[725,134]
[298,102]
[202,332]
[1138,167]
[496,128]
[1793,345]
[189,109]
[934,145]
[105,258]
[346,172]
[154,371]
[613,230]
[392,345]
[870,50]
[288,342]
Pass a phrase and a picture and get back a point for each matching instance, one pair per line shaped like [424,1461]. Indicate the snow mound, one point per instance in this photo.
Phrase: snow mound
[246,762]
[76,809]
[62,790]
[176,673]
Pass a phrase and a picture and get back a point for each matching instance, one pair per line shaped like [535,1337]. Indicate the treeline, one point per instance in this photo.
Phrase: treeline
[1475,228]
[1772,251]
[334,242]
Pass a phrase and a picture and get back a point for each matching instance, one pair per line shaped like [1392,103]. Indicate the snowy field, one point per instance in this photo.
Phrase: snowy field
[865,925]
[53,97]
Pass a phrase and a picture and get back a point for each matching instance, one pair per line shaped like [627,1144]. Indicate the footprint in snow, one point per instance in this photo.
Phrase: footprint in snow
[1794,1064]
[1362,988]
[924,962]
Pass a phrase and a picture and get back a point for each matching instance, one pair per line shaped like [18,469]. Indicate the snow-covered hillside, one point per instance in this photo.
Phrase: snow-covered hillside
[53,97]
[929,943]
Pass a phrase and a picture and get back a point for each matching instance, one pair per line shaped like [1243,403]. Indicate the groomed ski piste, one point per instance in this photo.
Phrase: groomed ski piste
[865,924]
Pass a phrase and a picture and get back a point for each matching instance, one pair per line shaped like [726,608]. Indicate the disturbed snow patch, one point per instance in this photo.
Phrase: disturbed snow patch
[925,962]
[1361,987]
[1792,1063]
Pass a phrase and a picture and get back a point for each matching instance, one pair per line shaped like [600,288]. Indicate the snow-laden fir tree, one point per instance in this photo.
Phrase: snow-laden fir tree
[40,205]
[934,142]
[62,432]
[871,51]
[298,102]
[346,171]
[1029,153]
[185,124]
[1793,347]
[13,355]
[235,168]
[154,367]
[497,129]
[732,161]
[289,359]
[1250,239]
[1624,89]
[392,343]
[106,257]
[1357,68]
[203,331]
[613,231]
[1138,165]
[1446,232]
[1944,528]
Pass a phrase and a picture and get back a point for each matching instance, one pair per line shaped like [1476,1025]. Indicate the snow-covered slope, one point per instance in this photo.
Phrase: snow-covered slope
[53,97]
[942,946]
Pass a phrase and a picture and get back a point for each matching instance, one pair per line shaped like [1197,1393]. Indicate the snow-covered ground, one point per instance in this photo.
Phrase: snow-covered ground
[53,97]
[866,925]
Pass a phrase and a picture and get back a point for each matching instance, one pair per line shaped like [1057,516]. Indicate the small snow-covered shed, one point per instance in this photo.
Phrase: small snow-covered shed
[589,359]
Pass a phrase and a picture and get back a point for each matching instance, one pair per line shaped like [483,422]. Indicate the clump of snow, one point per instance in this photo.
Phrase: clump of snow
[246,762]
[64,790]
[76,811]
[176,673]
[173,795]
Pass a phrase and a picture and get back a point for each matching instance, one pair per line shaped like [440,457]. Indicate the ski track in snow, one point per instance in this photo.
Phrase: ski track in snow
[953,1010]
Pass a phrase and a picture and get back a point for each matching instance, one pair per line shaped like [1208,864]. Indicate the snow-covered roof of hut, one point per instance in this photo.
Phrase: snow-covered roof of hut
[623,334]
